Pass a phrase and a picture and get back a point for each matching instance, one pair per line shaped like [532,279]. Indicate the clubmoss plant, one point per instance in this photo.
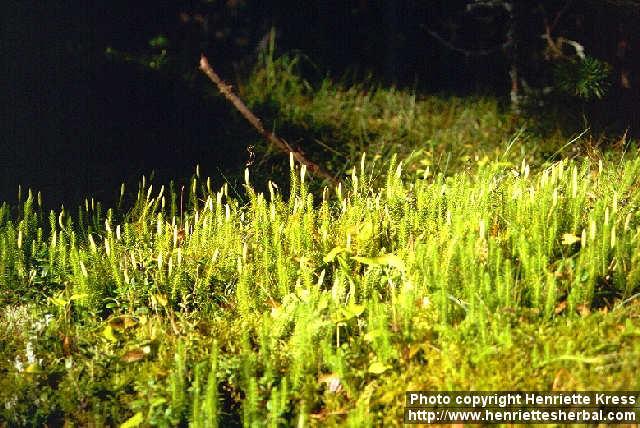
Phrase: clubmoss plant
[321,309]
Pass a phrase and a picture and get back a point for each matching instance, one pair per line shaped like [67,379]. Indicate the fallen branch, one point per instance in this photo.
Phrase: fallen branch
[467,52]
[273,139]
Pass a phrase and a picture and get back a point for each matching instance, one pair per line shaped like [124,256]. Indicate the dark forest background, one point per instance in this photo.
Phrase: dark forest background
[96,93]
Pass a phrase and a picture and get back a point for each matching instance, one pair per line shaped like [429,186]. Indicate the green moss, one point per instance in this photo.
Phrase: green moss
[469,265]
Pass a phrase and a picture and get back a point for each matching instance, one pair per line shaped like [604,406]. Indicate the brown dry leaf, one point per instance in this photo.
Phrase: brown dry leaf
[122,322]
[583,310]
[272,303]
[495,229]
[323,414]
[133,355]
[67,345]
[180,236]
[560,307]
[275,307]
[563,381]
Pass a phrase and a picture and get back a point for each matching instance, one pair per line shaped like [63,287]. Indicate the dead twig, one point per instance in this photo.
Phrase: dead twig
[273,139]
[467,52]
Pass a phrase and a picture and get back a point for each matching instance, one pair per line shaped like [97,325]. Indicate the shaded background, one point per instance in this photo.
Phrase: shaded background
[77,121]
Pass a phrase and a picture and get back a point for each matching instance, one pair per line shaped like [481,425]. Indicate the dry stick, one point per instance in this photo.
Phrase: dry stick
[282,145]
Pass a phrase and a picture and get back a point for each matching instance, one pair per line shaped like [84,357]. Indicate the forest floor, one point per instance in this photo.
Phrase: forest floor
[461,252]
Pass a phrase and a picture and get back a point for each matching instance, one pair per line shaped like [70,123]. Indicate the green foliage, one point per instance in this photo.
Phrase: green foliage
[298,310]
[586,78]
[334,124]
[452,251]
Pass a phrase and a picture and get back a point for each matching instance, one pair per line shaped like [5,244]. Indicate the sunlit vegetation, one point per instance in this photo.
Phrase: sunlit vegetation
[324,309]
[454,256]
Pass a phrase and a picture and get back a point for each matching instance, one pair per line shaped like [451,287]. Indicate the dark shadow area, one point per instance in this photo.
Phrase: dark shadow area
[76,123]
[124,122]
